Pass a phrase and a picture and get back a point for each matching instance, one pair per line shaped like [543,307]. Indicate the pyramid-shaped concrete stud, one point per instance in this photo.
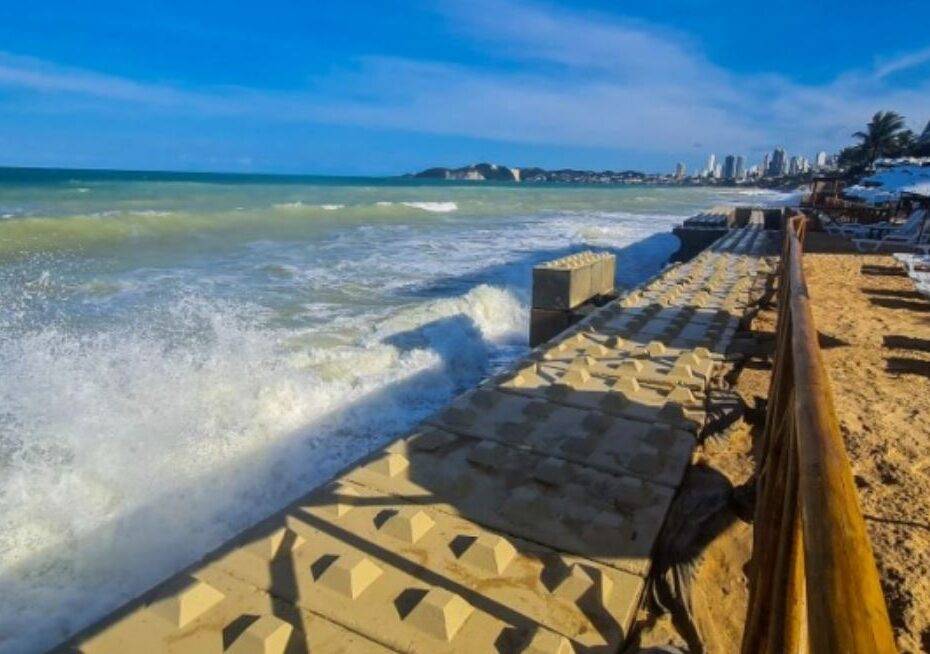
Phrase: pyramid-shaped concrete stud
[681,394]
[440,614]
[575,583]
[350,575]
[340,496]
[682,372]
[627,385]
[538,410]
[484,399]
[186,605]
[431,440]
[267,635]
[548,642]
[576,376]
[631,366]
[656,348]
[390,464]
[524,376]
[409,524]
[276,544]
[486,453]
[490,553]
[458,416]
[551,471]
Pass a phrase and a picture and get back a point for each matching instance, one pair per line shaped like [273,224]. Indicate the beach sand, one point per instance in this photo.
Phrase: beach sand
[875,337]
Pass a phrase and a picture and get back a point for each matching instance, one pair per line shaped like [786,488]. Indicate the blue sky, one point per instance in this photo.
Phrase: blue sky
[378,87]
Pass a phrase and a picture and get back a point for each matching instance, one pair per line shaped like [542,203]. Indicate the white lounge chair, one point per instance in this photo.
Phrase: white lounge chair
[849,230]
[910,234]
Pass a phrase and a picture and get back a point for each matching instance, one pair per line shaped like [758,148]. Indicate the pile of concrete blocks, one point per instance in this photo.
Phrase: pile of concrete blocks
[562,286]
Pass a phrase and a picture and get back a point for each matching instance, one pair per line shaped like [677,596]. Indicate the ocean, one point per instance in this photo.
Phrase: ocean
[180,355]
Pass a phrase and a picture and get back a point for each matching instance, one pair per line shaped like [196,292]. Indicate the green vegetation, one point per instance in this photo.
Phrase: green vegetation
[885,136]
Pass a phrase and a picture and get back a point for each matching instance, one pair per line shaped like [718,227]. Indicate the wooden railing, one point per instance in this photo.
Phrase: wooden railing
[813,582]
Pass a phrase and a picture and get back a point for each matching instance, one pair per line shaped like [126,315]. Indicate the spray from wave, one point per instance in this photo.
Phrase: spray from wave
[132,441]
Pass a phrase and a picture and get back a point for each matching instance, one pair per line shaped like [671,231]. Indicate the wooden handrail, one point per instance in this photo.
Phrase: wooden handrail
[813,581]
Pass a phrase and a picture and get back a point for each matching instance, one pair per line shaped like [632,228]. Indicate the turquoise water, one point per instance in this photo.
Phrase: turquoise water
[180,354]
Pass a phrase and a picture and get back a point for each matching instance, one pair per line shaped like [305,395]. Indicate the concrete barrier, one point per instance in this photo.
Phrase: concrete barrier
[562,288]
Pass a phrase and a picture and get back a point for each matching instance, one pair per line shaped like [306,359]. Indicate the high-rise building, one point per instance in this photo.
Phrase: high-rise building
[778,166]
[764,170]
[740,167]
[821,160]
[729,167]
[794,167]
[680,171]
[718,171]
[711,165]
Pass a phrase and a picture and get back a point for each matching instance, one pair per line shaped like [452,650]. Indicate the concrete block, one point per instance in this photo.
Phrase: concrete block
[246,619]
[509,497]
[568,282]
[593,438]
[546,324]
[486,568]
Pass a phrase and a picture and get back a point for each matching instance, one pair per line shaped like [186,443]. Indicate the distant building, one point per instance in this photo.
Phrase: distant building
[778,165]
[718,171]
[711,165]
[798,165]
[740,167]
[729,167]
[821,160]
[764,170]
[680,171]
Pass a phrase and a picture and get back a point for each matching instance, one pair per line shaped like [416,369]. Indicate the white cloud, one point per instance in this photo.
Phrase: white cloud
[550,76]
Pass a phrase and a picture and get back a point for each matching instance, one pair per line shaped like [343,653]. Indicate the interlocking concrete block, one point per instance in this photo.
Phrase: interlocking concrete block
[545,324]
[655,452]
[433,596]
[570,281]
[514,579]
[606,517]
[245,619]
[619,396]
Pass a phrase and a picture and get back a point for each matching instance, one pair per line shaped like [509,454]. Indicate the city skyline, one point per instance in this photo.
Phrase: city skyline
[776,163]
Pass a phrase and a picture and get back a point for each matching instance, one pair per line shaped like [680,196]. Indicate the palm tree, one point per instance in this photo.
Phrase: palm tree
[881,135]
[921,147]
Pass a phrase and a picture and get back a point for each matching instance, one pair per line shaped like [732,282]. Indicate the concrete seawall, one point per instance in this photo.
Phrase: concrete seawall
[521,518]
